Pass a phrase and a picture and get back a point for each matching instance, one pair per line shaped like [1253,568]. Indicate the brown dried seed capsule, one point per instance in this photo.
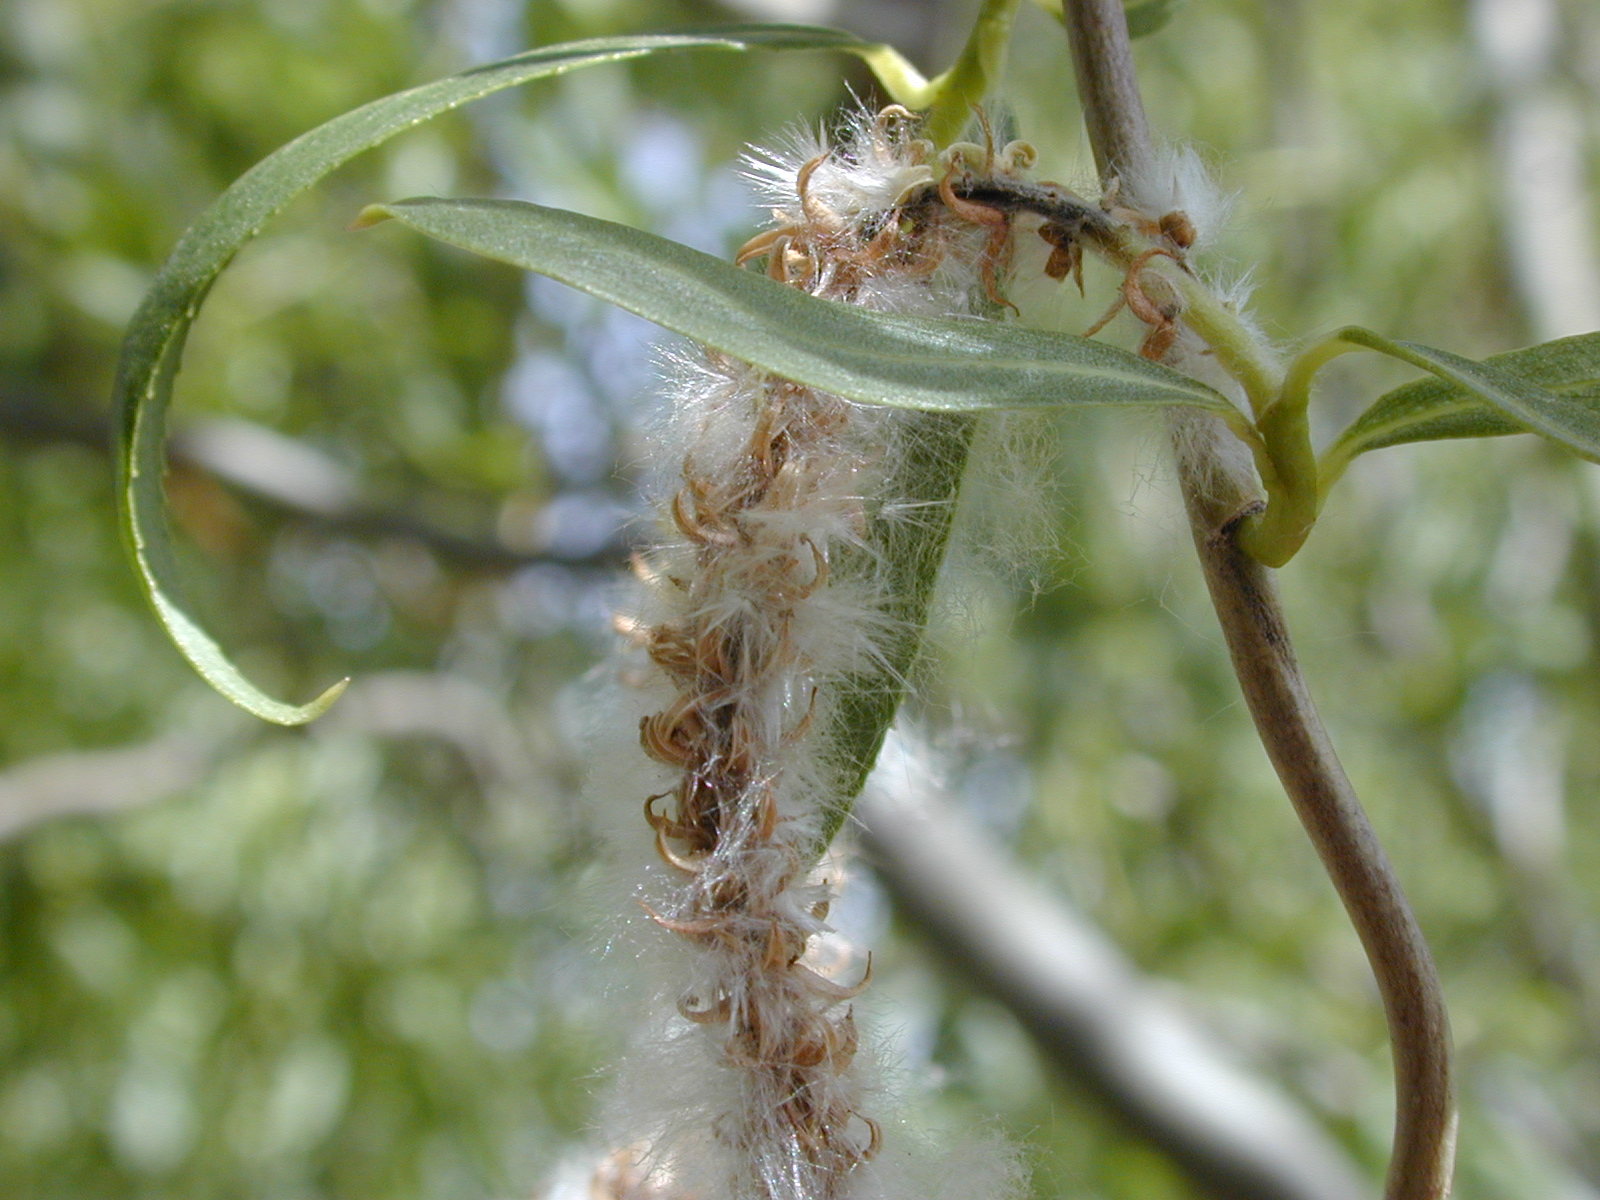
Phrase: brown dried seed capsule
[833,1042]
[818,214]
[785,945]
[1157,342]
[714,1013]
[846,1040]
[689,866]
[1162,318]
[1066,253]
[969,210]
[766,814]
[798,267]
[785,590]
[713,658]
[827,989]
[672,736]
[768,243]
[670,649]
[1178,229]
[809,1050]
[699,799]
[697,525]
[998,221]
[703,929]
[653,818]
[804,725]
[874,1138]
[769,439]
[882,246]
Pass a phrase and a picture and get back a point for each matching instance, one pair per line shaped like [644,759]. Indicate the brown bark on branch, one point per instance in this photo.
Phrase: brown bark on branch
[1217,491]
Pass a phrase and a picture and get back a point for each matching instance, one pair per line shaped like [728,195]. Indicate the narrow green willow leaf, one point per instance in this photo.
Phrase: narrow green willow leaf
[1551,389]
[926,478]
[154,343]
[926,363]
[899,76]
[954,95]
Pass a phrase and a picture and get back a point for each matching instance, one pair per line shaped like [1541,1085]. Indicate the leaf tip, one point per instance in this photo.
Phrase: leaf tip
[307,713]
[288,714]
[372,214]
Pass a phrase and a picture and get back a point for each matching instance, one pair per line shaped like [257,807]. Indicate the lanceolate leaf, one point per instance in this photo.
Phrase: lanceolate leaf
[154,343]
[1552,389]
[936,365]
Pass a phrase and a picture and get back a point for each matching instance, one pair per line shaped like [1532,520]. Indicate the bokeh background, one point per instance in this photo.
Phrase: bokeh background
[360,960]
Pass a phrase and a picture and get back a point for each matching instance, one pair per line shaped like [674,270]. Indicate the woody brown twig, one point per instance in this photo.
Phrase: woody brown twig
[1218,491]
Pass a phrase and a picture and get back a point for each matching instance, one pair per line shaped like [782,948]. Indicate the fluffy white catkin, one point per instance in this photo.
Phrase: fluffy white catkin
[762,593]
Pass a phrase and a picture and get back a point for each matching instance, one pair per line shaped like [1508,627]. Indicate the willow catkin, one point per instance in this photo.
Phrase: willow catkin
[764,593]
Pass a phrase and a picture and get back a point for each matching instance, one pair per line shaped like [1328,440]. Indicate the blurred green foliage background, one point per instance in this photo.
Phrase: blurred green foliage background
[359,960]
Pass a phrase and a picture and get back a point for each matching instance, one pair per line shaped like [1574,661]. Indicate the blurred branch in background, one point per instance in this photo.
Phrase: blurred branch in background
[389,704]
[1513,752]
[101,781]
[1092,1012]
[295,478]
[411,704]
[1511,756]
[1089,1009]
[1547,208]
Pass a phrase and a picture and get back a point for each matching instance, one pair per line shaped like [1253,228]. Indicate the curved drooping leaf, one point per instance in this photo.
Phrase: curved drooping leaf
[925,363]
[1551,389]
[154,343]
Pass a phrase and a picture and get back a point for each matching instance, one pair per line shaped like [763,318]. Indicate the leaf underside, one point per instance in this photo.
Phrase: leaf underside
[153,347]
[1552,389]
[925,363]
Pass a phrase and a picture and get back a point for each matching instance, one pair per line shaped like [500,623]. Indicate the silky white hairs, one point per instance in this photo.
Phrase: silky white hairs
[1177,180]
[746,1078]
[762,594]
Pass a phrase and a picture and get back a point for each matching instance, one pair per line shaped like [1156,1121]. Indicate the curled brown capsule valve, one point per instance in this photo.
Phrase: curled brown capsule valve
[1177,229]
[1066,254]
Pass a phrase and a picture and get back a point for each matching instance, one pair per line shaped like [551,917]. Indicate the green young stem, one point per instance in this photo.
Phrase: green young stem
[1295,488]
[1280,401]
[1297,382]
[1238,348]
[1282,447]
[1273,535]
[975,73]
[1281,438]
